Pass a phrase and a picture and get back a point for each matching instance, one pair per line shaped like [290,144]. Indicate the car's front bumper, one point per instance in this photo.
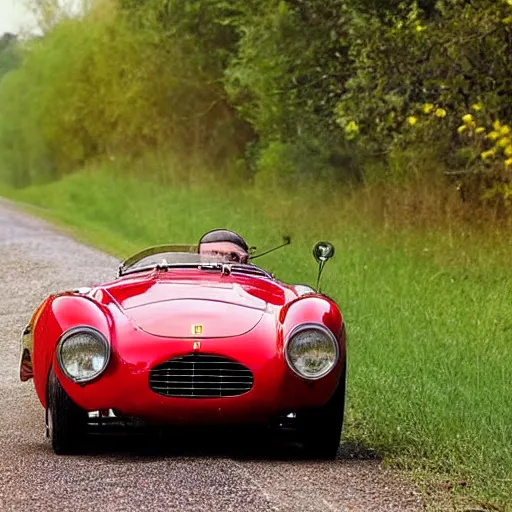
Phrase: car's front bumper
[125,387]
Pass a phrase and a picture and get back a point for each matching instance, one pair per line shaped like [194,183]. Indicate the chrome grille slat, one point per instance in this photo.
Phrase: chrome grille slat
[205,362]
[186,371]
[224,369]
[200,376]
[194,388]
[167,381]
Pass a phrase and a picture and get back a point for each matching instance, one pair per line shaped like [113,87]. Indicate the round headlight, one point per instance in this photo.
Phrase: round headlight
[83,354]
[311,351]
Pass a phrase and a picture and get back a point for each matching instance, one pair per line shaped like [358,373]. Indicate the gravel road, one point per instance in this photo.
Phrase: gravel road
[36,260]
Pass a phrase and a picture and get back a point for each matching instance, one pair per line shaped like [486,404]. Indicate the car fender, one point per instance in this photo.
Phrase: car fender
[312,309]
[59,314]
[316,309]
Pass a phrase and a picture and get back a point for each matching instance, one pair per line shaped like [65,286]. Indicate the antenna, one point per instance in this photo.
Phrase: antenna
[287,240]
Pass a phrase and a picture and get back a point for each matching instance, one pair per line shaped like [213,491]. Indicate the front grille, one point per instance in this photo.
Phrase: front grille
[200,376]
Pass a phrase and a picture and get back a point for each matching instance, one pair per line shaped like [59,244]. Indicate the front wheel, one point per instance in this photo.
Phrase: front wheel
[321,427]
[66,422]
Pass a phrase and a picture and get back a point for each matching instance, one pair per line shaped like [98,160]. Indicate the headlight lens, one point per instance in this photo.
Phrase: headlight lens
[83,354]
[312,351]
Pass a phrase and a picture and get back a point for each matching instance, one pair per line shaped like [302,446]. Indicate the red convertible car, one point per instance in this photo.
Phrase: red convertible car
[190,335]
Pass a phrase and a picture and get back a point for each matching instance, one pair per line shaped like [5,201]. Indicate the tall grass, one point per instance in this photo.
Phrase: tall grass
[428,312]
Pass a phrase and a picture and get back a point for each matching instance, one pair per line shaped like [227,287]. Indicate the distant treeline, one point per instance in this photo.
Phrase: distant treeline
[359,91]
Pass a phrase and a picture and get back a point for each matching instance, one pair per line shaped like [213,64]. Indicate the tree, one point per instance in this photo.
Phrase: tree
[9,55]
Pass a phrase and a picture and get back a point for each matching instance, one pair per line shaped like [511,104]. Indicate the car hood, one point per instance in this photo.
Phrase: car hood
[191,310]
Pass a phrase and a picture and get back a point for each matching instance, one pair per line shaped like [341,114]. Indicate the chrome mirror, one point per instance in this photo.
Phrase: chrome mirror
[322,252]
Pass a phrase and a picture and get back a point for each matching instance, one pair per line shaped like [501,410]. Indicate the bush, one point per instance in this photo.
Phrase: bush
[301,90]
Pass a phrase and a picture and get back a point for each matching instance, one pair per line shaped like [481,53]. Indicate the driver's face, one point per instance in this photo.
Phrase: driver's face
[225,251]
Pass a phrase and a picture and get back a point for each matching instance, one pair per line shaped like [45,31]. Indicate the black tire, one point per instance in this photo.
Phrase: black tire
[321,427]
[66,422]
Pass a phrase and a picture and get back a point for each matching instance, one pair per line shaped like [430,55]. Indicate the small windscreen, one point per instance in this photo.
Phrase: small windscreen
[208,253]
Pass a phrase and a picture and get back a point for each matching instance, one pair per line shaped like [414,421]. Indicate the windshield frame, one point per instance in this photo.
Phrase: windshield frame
[157,249]
[227,267]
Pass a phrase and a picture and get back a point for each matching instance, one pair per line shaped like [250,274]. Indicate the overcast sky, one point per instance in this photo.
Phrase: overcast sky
[13,16]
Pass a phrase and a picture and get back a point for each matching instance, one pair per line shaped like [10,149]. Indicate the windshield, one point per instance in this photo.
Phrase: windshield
[183,256]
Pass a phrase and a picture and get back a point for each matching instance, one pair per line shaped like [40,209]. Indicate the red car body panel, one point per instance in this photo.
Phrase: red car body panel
[147,319]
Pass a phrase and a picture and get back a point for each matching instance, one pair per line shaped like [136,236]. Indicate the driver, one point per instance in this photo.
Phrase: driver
[226,244]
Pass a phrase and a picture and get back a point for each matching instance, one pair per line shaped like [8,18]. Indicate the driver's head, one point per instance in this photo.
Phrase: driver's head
[226,244]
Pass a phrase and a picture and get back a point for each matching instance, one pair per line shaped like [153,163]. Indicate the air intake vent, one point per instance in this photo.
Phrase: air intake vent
[200,376]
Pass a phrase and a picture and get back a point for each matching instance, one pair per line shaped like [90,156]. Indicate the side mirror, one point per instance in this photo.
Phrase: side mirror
[322,252]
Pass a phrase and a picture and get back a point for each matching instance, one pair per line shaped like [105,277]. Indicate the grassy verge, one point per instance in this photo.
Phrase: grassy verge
[428,314]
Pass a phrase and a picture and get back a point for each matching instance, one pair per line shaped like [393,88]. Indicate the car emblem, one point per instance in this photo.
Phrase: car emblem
[197,345]
[197,329]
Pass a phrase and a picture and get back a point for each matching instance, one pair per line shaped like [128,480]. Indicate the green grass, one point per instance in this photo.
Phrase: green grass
[428,313]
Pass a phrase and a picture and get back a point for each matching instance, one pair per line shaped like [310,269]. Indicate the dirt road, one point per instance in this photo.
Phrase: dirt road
[36,260]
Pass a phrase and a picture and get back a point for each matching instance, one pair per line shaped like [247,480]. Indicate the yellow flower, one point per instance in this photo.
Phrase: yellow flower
[412,120]
[496,125]
[477,107]
[504,142]
[352,130]
[462,129]
[508,162]
[420,28]
[508,150]
[488,154]
[427,108]
[480,130]
[493,136]
[505,130]
[468,118]
[440,112]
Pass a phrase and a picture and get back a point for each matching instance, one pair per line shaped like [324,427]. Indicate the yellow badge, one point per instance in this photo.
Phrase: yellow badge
[197,329]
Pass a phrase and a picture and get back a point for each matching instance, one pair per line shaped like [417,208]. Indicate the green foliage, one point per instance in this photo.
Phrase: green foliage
[314,90]
[356,70]
[407,60]
[96,88]
[286,75]
[446,57]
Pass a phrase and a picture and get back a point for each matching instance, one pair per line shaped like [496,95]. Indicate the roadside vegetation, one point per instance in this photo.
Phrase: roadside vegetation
[360,92]
[384,126]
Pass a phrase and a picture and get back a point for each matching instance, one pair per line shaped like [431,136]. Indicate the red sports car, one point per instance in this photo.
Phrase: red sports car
[190,335]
